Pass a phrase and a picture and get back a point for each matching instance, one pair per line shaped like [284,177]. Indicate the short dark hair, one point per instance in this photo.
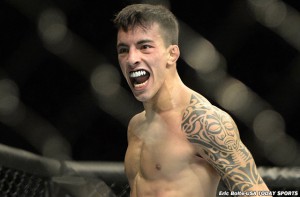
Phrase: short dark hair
[144,15]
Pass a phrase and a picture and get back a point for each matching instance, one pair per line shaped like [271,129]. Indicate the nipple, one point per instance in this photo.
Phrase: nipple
[158,166]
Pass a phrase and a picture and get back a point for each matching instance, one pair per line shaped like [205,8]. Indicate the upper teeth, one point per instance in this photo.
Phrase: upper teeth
[137,73]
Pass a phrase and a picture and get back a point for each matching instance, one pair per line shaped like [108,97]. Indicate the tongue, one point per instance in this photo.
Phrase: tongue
[141,79]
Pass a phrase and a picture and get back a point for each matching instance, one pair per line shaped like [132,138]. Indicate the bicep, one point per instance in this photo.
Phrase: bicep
[217,138]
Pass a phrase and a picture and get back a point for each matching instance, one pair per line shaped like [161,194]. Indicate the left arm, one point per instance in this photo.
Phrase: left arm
[217,139]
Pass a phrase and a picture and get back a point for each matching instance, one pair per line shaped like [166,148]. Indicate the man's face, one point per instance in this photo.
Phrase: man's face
[143,58]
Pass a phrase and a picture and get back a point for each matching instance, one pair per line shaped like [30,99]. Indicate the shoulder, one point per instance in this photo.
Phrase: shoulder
[135,121]
[215,137]
[206,123]
[137,118]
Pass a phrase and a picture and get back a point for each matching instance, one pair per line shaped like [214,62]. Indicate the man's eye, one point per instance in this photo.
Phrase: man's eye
[122,50]
[145,47]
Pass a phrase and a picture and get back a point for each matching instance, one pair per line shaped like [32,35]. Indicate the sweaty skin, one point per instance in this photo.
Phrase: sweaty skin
[160,161]
[180,145]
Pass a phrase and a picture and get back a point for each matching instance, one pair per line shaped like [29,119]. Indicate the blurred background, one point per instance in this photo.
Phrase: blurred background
[62,94]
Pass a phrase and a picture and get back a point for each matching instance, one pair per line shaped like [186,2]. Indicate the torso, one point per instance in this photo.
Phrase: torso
[161,162]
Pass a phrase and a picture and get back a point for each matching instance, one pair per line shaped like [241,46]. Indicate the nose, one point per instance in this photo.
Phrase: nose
[133,57]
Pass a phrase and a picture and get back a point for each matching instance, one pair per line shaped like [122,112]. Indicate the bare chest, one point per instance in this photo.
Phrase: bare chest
[158,150]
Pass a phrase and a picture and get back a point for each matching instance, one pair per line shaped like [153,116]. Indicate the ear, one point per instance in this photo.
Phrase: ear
[173,54]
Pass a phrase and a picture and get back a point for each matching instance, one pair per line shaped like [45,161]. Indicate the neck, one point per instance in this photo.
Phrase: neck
[168,98]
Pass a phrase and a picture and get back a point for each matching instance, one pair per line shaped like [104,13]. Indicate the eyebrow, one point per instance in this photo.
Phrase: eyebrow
[138,43]
[121,45]
[144,41]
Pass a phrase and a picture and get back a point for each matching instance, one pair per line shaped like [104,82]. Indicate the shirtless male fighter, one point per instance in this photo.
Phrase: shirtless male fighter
[180,145]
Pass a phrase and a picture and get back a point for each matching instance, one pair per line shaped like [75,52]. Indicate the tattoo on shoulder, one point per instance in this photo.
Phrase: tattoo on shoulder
[217,135]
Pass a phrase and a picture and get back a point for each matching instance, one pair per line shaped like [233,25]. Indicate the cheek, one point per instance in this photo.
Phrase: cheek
[160,67]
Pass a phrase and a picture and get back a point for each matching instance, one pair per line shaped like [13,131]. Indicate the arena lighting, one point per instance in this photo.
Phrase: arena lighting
[52,26]
[120,104]
[269,128]
[283,151]
[64,43]
[271,12]
[9,98]
[61,41]
[205,59]
[104,77]
[279,17]
[210,65]
[105,80]
[54,32]
[235,97]
[268,125]
[37,131]
[112,98]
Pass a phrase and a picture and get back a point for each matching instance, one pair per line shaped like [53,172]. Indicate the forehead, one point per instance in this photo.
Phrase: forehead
[151,32]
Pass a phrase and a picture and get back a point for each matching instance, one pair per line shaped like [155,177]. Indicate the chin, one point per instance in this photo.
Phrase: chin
[141,98]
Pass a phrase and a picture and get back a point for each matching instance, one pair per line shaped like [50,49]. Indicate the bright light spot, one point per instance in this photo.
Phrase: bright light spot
[290,28]
[268,125]
[204,58]
[56,147]
[283,151]
[280,17]
[105,80]
[270,12]
[275,14]
[52,26]
[9,98]
[233,95]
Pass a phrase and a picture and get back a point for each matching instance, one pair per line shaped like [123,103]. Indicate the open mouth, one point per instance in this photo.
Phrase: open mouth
[139,78]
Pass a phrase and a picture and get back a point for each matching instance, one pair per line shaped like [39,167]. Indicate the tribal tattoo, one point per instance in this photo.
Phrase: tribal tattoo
[217,135]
